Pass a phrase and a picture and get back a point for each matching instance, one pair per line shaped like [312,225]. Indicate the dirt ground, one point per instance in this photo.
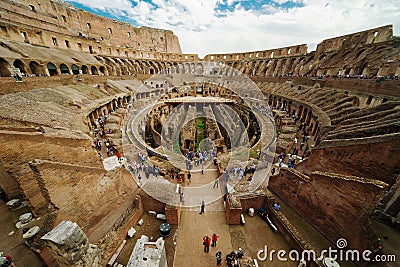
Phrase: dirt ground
[14,245]
[253,236]
[149,228]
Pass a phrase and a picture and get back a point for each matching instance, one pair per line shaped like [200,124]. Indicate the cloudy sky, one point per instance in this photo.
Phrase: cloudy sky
[223,26]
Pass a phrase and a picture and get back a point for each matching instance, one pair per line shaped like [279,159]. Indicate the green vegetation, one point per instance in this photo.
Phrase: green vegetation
[253,154]
[200,131]
[176,146]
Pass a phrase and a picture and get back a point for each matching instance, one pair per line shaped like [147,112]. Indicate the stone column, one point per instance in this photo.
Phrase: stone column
[70,246]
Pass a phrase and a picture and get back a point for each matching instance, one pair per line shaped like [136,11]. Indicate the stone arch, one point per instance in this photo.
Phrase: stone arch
[299,65]
[102,70]
[153,66]
[64,69]
[281,67]
[129,65]
[345,54]
[52,69]
[85,69]
[124,69]
[363,69]
[199,68]
[20,65]
[193,68]
[322,57]
[359,53]
[4,65]
[137,67]
[289,68]
[143,66]
[271,68]
[176,67]
[36,68]
[75,69]
[397,73]
[94,70]
[187,67]
[110,70]
[118,71]
[299,111]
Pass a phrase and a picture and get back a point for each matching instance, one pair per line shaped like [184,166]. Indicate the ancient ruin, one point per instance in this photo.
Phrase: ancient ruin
[101,122]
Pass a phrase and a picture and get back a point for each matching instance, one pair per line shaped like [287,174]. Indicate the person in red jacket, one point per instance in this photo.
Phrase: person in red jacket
[214,239]
[206,243]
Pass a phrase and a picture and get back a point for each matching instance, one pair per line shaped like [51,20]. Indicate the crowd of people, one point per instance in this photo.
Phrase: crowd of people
[198,158]
[101,139]
[232,258]
[239,172]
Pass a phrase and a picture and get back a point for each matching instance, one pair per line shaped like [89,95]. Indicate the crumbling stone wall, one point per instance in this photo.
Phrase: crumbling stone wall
[357,158]
[337,205]
[70,246]
[64,22]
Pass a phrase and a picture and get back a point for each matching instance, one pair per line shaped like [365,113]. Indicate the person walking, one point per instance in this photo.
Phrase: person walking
[214,239]
[139,179]
[206,243]
[189,176]
[202,207]
[216,183]
[218,256]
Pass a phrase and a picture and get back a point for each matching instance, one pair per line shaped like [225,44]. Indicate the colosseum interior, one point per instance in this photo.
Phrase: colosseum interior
[89,106]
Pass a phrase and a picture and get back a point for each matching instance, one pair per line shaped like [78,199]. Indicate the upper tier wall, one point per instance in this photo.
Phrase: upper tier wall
[372,36]
[289,51]
[56,23]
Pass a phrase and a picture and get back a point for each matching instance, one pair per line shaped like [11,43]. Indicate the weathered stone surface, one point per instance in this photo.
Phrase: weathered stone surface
[145,253]
[71,247]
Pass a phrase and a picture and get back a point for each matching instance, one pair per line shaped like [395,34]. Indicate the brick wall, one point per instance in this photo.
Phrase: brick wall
[334,206]
[173,214]
[254,202]
[232,214]
[150,203]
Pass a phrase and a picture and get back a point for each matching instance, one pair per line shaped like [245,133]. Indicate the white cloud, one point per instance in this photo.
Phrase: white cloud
[202,30]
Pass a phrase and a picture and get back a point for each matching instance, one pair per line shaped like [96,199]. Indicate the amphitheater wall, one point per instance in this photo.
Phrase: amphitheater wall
[82,30]
[372,160]
[67,186]
[336,205]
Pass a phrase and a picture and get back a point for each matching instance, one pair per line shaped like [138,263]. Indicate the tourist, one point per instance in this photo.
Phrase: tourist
[277,207]
[231,259]
[214,239]
[218,256]
[240,253]
[189,176]
[216,183]
[206,243]
[202,207]
[156,171]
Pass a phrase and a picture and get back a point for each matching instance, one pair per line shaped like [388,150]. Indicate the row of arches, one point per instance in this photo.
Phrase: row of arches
[108,108]
[286,66]
[304,113]
[35,68]
[124,66]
